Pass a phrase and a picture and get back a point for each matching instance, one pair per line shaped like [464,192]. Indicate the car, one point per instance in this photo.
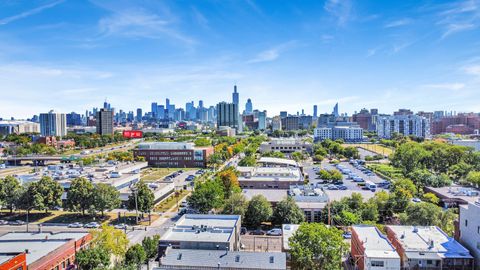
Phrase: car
[190,178]
[338,182]
[275,232]
[3,222]
[75,225]
[257,232]
[332,187]
[243,230]
[416,200]
[91,225]
[16,222]
[120,226]
[347,235]
[342,187]
[358,180]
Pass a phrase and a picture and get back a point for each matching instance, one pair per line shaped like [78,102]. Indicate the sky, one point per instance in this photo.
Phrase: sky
[71,55]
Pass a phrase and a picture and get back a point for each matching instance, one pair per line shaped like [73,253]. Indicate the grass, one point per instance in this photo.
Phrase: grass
[32,217]
[171,201]
[154,174]
[386,171]
[376,148]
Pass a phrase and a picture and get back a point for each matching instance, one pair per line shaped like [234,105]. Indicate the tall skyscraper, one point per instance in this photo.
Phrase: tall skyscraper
[315,111]
[105,121]
[53,124]
[335,111]
[161,112]
[235,96]
[139,115]
[283,114]
[154,109]
[248,106]
[262,120]
[227,115]
[200,104]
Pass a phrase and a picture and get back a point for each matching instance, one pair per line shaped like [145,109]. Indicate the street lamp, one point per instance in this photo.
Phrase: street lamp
[135,192]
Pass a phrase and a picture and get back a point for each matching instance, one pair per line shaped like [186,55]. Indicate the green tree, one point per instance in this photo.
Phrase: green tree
[316,246]
[287,212]
[409,157]
[431,198]
[30,197]
[229,179]
[298,156]
[202,142]
[206,196]
[144,200]
[235,205]
[114,241]
[92,258]
[422,214]
[473,178]
[80,195]
[105,197]
[258,211]
[50,192]
[369,211]
[9,192]
[135,255]
[150,245]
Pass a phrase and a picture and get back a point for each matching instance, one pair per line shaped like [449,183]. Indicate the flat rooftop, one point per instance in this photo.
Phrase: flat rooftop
[38,244]
[417,241]
[337,195]
[272,195]
[202,228]
[166,146]
[376,244]
[456,193]
[277,161]
[232,260]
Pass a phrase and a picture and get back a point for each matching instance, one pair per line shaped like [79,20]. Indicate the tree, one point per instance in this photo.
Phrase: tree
[258,211]
[351,152]
[431,198]
[206,196]
[473,178]
[235,205]
[50,192]
[409,157]
[369,211]
[316,246]
[150,245]
[422,214]
[9,192]
[229,179]
[105,197]
[385,205]
[298,156]
[135,255]
[145,199]
[30,197]
[113,241]
[92,258]
[202,142]
[80,195]
[287,212]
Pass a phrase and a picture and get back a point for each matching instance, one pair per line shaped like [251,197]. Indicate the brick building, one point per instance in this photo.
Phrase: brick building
[174,154]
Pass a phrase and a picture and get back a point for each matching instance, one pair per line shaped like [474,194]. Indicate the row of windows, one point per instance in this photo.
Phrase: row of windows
[154,158]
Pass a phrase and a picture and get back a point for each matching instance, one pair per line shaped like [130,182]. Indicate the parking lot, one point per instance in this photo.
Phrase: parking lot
[261,243]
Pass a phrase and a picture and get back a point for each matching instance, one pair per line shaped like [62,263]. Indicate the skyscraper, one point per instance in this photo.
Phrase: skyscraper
[248,106]
[315,111]
[235,96]
[139,115]
[200,104]
[227,115]
[335,111]
[105,122]
[53,124]
[262,120]
[154,109]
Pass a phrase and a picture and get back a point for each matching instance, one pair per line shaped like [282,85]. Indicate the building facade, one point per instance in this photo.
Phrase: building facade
[227,115]
[286,146]
[346,133]
[468,230]
[18,127]
[403,124]
[173,154]
[53,124]
[105,122]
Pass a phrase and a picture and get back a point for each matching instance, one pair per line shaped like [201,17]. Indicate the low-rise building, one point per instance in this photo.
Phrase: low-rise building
[286,146]
[350,133]
[468,229]
[277,162]
[209,232]
[173,154]
[41,250]
[311,200]
[18,127]
[226,131]
[221,259]
[269,177]
[428,248]
[371,250]
[474,144]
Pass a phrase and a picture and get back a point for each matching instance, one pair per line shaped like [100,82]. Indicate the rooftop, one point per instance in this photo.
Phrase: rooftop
[269,173]
[166,146]
[277,161]
[230,260]
[376,244]
[287,231]
[457,193]
[272,195]
[419,241]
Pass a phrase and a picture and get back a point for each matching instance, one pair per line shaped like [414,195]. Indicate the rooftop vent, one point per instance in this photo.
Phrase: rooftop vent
[237,258]
[179,257]
[272,259]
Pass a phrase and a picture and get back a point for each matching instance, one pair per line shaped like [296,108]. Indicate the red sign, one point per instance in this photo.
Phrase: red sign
[132,134]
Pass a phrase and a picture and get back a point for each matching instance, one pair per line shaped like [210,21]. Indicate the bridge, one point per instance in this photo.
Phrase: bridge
[38,160]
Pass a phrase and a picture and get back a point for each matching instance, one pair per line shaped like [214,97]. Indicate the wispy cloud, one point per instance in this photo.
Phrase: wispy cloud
[446,86]
[272,54]
[401,46]
[459,17]
[200,18]
[398,23]
[341,9]
[455,28]
[29,12]
[472,70]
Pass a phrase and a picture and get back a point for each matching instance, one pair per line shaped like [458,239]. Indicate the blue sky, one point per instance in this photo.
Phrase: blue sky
[286,55]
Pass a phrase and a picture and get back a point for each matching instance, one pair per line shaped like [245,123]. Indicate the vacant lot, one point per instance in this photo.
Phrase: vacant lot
[376,148]
[155,174]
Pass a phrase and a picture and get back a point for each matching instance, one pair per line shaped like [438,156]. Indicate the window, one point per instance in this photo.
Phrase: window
[377,264]
[466,222]
[429,261]
[478,229]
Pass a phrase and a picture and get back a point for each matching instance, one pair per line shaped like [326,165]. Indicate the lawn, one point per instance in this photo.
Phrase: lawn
[376,148]
[155,174]
[34,216]
[385,170]
[171,201]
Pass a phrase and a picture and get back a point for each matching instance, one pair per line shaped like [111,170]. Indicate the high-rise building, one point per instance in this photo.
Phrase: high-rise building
[154,109]
[290,123]
[276,123]
[74,119]
[315,111]
[211,114]
[335,110]
[235,96]
[161,112]
[227,115]
[105,122]
[139,115]
[248,106]
[53,124]
[406,125]
[262,120]
[200,103]
[283,114]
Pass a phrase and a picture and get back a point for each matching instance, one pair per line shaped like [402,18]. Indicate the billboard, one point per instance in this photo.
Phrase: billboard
[132,134]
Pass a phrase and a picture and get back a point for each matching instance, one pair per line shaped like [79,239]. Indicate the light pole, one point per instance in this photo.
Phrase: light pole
[135,192]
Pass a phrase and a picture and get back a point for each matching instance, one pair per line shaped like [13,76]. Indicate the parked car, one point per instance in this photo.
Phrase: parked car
[16,222]
[91,225]
[332,187]
[347,235]
[257,232]
[3,222]
[416,200]
[75,225]
[275,232]
[120,226]
[190,178]
[342,187]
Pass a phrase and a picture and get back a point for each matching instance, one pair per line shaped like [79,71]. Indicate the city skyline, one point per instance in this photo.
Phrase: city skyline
[369,54]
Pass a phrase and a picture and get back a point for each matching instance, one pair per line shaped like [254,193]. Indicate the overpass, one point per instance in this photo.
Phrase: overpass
[38,160]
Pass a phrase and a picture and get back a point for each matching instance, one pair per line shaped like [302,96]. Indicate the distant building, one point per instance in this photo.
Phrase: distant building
[269,177]
[227,115]
[139,115]
[468,229]
[182,259]
[285,145]
[315,111]
[290,123]
[74,119]
[207,232]
[53,124]
[365,120]
[262,120]
[346,133]
[403,124]
[474,144]
[173,154]
[226,131]
[18,127]
[20,250]
[462,123]
[371,250]
[335,110]
[403,112]
[104,122]
[248,106]
[428,247]
[311,200]
[276,123]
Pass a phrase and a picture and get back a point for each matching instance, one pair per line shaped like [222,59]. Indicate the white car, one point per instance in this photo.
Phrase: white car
[275,232]
[120,226]
[91,225]
[75,225]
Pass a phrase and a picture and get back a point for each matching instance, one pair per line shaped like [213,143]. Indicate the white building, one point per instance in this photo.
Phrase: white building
[285,145]
[469,229]
[403,124]
[18,127]
[475,144]
[346,133]
[276,123]
[371,250]
[269,177]
[53,124]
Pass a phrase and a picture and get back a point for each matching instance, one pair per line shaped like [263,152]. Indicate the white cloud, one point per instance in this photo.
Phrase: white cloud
[341,9]
[459,16]
[446,86]
[272,54]
[398,23]
[29,13]
[472,70]
[455,28]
